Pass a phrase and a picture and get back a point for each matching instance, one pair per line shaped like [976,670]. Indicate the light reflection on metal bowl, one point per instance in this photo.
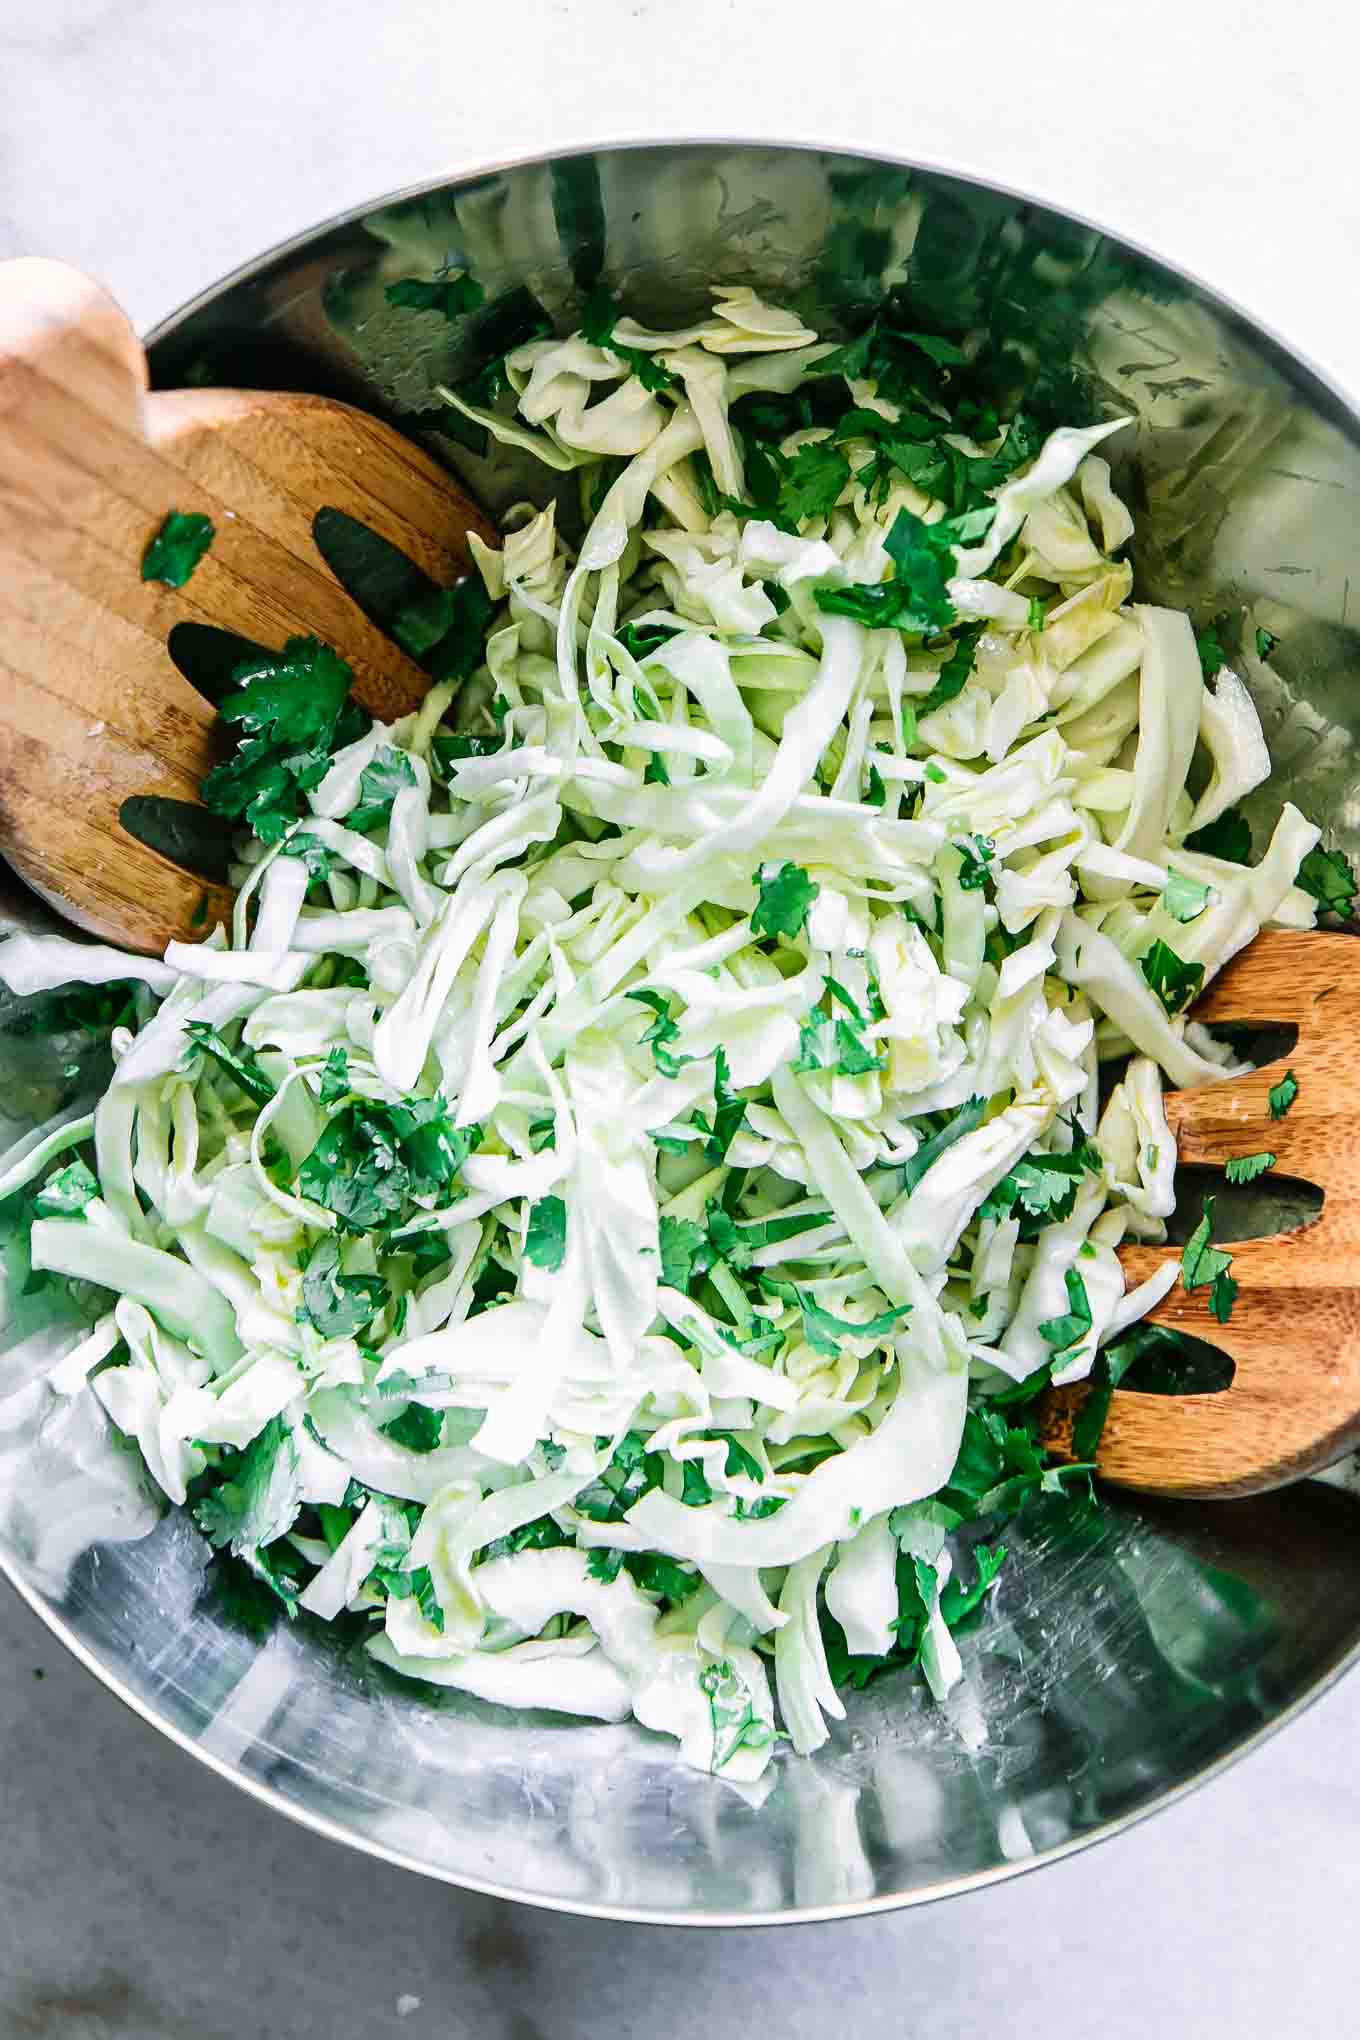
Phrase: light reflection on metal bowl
[1127,1654]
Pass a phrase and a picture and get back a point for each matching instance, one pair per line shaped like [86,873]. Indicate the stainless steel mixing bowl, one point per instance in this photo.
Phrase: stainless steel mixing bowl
[1127,1655]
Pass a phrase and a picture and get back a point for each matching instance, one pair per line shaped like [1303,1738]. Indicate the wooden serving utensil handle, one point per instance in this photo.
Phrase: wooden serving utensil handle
[92,709]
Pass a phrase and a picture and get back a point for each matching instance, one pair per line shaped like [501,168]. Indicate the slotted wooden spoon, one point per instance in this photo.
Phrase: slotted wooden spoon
[1293,1406]
[93,711]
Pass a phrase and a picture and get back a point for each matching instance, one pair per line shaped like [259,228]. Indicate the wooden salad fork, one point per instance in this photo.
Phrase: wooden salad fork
[1293,1406]
[93,710]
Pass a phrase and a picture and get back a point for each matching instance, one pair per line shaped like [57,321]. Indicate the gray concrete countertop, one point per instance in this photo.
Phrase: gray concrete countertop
[159,145]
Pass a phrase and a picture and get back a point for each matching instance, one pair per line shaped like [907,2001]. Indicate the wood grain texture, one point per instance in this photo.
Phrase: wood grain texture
[91,707]
[1294,1334]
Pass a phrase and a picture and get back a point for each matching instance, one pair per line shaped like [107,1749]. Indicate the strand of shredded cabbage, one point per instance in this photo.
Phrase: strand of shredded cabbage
[612,833]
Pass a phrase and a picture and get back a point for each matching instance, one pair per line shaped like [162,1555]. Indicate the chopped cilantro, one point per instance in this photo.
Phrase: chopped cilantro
[834,1045]
[335,1077]
[446,632]
[968,1116]
[682,1243]
[543,1534]
[661,1033]
[338,1305]
[176,549]
[1042,1187]
[824,1331]
[1283,1094]
[257,1504]
[1266,642]
[786,893]
[957,1601]
[657,1574]
[1202,1264]
[1184,898]
[739,1461]
[1212,657]
[382,780]
[545,1243]
[695,1490]
[293,709]
[976,853]
[1246,1168]
[598,318]
[372,1158]
[451,296]
[1326,876]
[1068,1332]
[239,1063]
[1173,980]
[728,1112]
[417,1428]
[631,1473]
[1227,837]
[951,679]
[1109,1368]
[66,1192]
[604,1562]
[917,598]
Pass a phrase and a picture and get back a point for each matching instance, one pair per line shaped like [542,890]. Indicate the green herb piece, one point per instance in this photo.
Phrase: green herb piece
[917,598]
[631,1473]
[811,481]
[257,1504]
[317,857]
[739,1461]
[451,296]
[293,709]
[824,1331]
[657,1574]
[875,793]
[1326,876]
[958,1602]
[372,1158]
[598,318]
[1042,1187]
[1184,898]
[834,1045]
[1246,1168]
[66,1192]
[661,1033]
[728,1113]
[968,1116]
[976,854]
[1227,837]
[1283,1094]
[952,678]
[786,893]
[417,1428]
[338,1305]
[1266,642]
[239,1064]
[1203,1265]
[695,1490]
[604,1562]
[382,780]
[446,632]
[1173,980]
[1212,657]
[545,1243]
[640,640]
[542,1134]
[177,548]
[335,1082]
[1036,613]
[543,1534]
[1111,1365]
[336,1523]
[1068,1332]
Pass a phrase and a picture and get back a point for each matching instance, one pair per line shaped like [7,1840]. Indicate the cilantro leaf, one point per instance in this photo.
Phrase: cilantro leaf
[1326,876]
[545,1243]
[1173,980]
[66,1192]
[417,1428]
[1212,657]
[810,482]
[657,1574]
[338,1305]
[976,853]
[786,893]
[598,318]
[238,1063]
[293,708]
[604,1562]
[957,1602]
[661,1033]
[372,1158]
[739,1461]
[695,1490]
[1184,898]
[1246,1168]
[631,1473]
[728,1112]
[824,1331]
[953,674]
[451,296]
[1111,1365]
[968,1116]
[1283,1094]
[446,632]
[1228,837]
[833,1045]
[335,1077]
[1043,1187]
[640,640]
[1266,642]
[1068,1332]
[1202,1264]
[257,1503]
[683,1245]
[917,598]
[176,549]
[383,778]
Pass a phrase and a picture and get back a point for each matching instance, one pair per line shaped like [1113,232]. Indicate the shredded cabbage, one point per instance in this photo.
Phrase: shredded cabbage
[582,1214]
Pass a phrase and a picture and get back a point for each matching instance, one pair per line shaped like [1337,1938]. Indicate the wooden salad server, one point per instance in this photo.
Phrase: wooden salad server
[93,711]
[1293,1406]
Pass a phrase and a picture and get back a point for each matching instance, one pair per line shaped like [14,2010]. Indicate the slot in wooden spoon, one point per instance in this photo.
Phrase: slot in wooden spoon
[92,709]
[1293,1406]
